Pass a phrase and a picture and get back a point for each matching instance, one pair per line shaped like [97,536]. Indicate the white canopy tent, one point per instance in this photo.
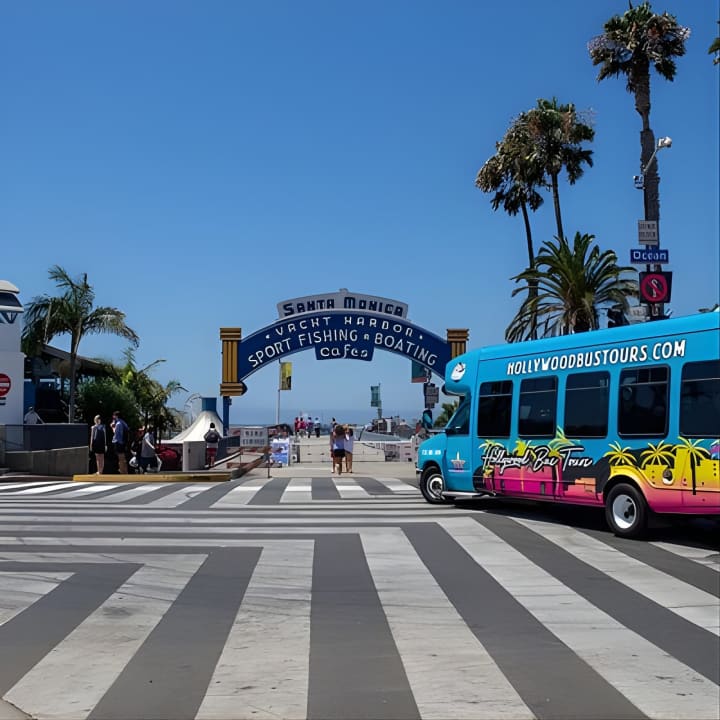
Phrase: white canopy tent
[199,427]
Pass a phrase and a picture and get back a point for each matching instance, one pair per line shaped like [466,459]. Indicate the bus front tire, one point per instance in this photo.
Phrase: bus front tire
[432,485]
[626,511]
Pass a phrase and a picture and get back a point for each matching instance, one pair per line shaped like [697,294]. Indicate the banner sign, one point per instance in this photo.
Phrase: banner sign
[342,300]
[286,376]
[341,335]
[280,451]
[418,374]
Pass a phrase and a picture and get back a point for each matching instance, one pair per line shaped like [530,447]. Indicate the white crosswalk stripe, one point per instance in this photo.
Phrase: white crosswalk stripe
[263,667]
[273,623]
[637,668]
[695,605]
[444,649]
[90,658]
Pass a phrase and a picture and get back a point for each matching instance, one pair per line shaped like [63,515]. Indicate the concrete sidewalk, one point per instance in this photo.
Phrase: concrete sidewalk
[315,460]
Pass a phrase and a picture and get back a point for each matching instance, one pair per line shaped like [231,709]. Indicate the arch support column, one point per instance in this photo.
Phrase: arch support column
[457,339]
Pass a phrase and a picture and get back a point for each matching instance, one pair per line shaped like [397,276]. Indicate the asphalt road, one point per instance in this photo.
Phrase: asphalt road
[306,595]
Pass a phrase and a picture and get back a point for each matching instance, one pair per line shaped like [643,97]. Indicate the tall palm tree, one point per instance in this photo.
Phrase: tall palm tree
[629,45]
[71,313]
[556,134]
[514,180]
[574,283]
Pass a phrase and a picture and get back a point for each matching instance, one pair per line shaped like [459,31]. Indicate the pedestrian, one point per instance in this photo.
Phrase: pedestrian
[310,427]
[121,434]
[148,453]
[349,444]
[337,448]
[32,418]
[99,444]
[212,440]
[317,427]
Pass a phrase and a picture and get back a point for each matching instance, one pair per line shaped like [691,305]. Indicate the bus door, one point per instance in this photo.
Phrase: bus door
[458,461]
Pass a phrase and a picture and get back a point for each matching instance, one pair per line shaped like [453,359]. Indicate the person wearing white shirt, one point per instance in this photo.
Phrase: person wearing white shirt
[32,418]
[349,444]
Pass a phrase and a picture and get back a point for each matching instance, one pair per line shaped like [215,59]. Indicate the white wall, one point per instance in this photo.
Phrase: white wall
[12,361]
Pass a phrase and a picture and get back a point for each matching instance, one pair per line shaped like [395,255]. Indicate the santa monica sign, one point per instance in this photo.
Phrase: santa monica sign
[335,326]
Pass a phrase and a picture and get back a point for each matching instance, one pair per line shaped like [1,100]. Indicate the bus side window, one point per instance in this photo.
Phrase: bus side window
[643,402]
[587,402]
[494,409]
[700,399]
[459,423]
[538,403]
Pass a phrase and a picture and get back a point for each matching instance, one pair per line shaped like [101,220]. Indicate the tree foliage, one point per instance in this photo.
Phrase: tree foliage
[448,410]
[72,313]
[574,282]
[102,396]
[630,44]
[556,134]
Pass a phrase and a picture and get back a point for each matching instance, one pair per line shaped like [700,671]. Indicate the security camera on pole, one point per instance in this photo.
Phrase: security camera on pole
[655,285]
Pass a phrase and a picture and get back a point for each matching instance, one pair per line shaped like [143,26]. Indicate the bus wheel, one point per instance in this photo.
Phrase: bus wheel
[626,511]
[432,485]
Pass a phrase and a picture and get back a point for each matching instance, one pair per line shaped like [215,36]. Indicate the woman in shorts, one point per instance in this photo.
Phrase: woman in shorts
[337,448]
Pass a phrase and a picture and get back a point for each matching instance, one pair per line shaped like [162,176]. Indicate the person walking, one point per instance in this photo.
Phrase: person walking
[337,449]
[212,440]
[32,418]
[317,427]
[349,445]
[99,444]
[121,434]
[148,452]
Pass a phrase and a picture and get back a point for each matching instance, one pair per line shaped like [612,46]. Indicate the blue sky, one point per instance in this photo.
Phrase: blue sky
[202,161]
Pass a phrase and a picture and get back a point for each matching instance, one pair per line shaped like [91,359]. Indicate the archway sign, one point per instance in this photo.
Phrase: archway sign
[341,325]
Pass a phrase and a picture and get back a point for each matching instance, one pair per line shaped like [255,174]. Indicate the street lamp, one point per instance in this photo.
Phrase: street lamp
[663,142]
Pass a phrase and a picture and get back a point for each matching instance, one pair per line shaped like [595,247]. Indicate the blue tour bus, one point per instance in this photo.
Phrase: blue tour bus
[626,418]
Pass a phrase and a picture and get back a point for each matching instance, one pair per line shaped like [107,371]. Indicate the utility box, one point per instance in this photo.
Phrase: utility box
[193,455]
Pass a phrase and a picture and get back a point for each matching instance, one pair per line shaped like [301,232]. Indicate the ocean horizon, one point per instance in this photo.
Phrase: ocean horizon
[253,416]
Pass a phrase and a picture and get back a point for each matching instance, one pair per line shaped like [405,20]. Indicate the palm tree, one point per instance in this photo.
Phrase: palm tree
[628,46]
[574,283]
[556,133]
[71,313]
[151,396]
[514,179]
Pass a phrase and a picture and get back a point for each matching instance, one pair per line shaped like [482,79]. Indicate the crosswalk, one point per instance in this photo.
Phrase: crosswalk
[341,598]
[266,491]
